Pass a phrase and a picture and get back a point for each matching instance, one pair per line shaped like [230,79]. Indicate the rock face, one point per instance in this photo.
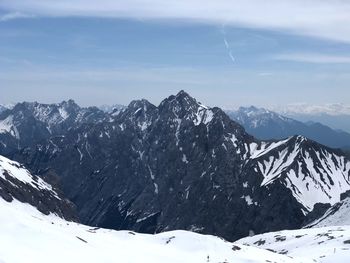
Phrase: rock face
[28,123]
[182,165]
[17,183]
[265,125]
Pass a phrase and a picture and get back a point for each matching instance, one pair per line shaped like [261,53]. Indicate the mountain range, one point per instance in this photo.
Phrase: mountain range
[336,122]
[179,165]
[27,123]
[336,116]
[151,169]
[267,125]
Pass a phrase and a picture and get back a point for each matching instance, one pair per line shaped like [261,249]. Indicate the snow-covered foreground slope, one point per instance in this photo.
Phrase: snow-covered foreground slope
[326,245]
[29,236]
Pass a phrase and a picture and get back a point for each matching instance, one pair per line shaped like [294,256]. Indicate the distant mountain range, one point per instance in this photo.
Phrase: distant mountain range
[28,123]
[341,121]
[178,165]
[265,125]
[336,116]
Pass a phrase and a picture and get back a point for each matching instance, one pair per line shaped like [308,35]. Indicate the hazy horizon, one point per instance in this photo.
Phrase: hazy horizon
[304,108]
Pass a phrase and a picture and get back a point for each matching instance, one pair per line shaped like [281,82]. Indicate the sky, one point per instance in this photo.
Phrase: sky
[225,53]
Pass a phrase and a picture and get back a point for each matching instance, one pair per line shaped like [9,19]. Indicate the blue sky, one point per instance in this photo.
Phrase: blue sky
[97,56]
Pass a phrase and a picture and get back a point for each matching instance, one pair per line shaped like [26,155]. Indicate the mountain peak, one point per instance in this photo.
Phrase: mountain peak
[69,102]
[253,110]
[70,106]
[183,96]
[181,104]
[250,108]
[143,103]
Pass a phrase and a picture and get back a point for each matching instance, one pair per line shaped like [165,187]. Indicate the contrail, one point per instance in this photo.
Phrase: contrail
[227,45]
[231,56]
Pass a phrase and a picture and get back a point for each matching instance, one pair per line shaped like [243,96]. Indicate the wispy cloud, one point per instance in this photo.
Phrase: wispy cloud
[305,108]
[227,45]
[313,58]
[265,74]
[319,18]
[13,15]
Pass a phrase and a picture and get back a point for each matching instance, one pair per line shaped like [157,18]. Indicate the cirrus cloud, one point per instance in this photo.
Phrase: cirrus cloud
[313,58]
[316,18]
[13,15]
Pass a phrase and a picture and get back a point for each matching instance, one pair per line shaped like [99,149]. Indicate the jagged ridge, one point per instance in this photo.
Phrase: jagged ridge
[182,165]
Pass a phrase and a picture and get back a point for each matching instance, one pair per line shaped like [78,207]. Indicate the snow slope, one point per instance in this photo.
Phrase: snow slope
[313,174]
[7,126]
[16,183]
[325,245]
[17,171]
[337,215]
[29,236]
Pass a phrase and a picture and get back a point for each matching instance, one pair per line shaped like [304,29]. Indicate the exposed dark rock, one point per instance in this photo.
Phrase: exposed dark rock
[45,199]
[181,166]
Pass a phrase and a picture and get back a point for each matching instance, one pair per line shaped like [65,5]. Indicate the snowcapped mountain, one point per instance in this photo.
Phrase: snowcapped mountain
[324,245]
[181,165]
[253,117]
[314,174]
[18,185]
[28,123]
[266,125]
